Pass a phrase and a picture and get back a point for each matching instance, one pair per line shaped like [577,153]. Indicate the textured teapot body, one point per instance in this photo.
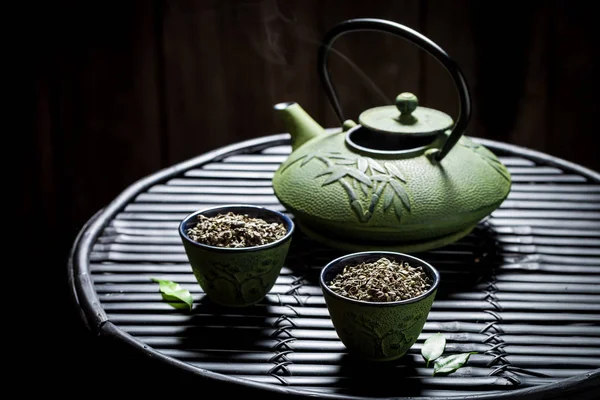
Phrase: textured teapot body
[405,178]
[404,196]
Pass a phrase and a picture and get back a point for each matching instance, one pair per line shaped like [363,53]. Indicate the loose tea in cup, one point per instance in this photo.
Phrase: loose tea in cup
[235,230]
[382,280]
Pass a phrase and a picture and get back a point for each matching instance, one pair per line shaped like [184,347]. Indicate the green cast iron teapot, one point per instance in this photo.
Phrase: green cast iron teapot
[405,178]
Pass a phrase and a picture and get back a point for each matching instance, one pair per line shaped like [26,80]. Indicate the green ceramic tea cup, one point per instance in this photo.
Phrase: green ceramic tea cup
[377,331]
[237,276]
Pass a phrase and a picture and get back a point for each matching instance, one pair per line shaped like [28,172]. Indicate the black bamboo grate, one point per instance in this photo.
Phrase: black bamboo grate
[522,290]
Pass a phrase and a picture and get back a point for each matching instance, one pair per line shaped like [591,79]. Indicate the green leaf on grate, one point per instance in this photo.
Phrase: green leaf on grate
[433,347]
[449,364]
[174,294]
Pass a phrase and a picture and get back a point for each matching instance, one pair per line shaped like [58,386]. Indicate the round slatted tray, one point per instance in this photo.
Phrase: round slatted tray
[522,290]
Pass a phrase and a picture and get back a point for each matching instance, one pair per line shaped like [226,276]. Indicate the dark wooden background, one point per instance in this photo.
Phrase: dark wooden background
[122,89]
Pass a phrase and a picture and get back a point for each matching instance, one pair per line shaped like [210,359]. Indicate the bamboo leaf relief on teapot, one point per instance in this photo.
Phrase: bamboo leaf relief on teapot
[378,183]
[486,156]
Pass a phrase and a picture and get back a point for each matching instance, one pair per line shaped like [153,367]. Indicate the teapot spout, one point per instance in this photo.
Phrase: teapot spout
[299,124]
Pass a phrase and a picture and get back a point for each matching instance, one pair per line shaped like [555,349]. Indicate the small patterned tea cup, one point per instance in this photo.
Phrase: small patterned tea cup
[377,331]
[237,276]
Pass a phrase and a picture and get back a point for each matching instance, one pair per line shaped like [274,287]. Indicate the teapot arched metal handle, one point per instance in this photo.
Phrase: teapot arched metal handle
[372,24]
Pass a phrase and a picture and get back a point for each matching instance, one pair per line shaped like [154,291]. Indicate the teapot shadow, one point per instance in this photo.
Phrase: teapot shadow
[467,263]
[462,265]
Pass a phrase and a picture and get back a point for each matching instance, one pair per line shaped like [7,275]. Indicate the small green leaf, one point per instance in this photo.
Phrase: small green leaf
[174,294]
[449,364]
[433,347]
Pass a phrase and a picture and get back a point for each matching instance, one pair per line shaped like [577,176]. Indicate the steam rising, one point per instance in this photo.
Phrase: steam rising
[269,27]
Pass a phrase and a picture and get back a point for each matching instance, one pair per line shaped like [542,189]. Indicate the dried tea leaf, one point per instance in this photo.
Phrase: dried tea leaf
[174,294]
[449,364]
[433,347]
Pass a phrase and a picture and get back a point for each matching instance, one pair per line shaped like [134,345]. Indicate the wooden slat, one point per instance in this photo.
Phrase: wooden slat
[228,183]
[241,167]
[201,173]
[175,198]
[561,196]
[556,188]
[550,205]
[222,190]
[544,214]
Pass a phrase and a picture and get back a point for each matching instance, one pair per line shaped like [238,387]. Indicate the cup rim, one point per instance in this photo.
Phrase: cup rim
[396,255]
[290,226]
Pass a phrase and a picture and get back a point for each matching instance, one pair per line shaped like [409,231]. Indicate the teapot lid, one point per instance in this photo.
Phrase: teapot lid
[412,119]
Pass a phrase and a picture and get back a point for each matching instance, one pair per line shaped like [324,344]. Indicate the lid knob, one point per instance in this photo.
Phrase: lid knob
[406,103]
[413,120]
